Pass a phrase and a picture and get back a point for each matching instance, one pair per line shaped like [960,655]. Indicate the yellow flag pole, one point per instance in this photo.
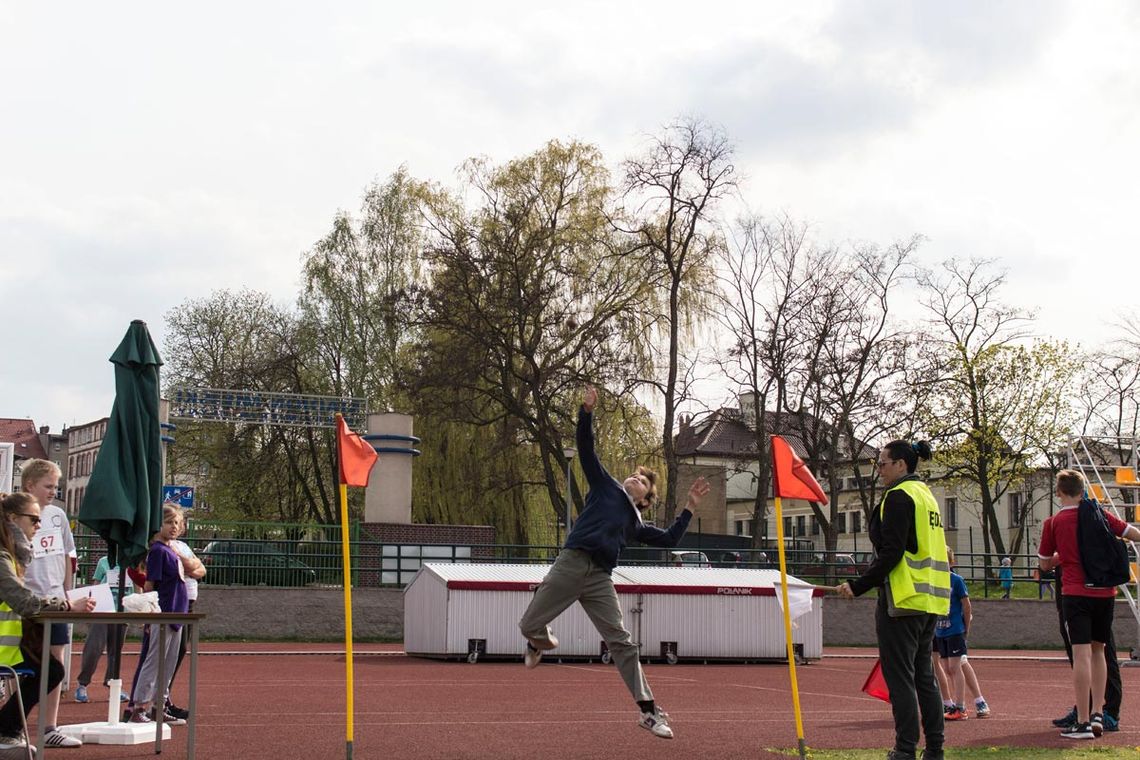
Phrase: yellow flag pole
[347,616]
[788,629]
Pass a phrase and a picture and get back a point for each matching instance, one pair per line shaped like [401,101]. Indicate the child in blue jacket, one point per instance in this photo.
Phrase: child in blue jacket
[610,520]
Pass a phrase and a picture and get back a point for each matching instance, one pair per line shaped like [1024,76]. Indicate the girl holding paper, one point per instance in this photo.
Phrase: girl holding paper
[21,519]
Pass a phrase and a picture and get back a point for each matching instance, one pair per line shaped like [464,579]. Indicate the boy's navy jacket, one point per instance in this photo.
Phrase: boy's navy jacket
[609,520]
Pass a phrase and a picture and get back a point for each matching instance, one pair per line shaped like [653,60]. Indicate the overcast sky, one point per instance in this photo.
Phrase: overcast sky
[151,153]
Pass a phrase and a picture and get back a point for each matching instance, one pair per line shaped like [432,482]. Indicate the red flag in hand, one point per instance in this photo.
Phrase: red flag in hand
[355,455]
[791,479]
[875,685]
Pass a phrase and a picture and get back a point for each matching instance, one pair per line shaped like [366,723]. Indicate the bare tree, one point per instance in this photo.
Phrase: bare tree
[995,411]
[672,192]
[757,301]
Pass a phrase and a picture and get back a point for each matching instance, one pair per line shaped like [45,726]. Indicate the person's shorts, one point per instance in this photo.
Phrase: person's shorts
[60,635]
[950,646]
[1088,618]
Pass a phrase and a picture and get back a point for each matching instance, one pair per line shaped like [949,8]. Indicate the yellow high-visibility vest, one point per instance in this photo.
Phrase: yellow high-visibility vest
[11,629]
[920,582]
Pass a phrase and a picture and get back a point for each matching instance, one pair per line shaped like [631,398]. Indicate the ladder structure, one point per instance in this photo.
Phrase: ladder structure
[1109,465]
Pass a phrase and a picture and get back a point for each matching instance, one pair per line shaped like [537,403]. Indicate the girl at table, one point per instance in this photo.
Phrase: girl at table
[19,520]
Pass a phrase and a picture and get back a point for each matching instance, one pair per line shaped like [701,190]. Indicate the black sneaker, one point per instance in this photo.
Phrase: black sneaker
[1097,723]
[1069,719]
[1079,731]
[176,711]
[933,754]
[895,754]
[1111,722]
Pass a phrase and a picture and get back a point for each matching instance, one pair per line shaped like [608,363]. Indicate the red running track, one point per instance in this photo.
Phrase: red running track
[291,705]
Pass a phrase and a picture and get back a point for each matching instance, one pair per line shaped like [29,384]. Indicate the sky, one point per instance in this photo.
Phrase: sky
[153,153]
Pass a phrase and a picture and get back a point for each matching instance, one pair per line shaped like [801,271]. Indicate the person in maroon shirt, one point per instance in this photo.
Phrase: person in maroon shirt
[1087,610]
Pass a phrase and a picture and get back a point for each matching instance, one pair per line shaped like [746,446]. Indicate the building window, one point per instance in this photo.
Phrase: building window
[742,527]
[856,522]
[801,523]
[814,526]
[787,526]
[952,513]
[1016,504]
[841,522]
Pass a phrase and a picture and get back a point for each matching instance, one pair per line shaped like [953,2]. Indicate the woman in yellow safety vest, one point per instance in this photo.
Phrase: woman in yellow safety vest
[912,574]
[20,514]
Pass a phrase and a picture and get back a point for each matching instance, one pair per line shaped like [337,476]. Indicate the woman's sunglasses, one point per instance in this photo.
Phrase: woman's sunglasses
[35,518]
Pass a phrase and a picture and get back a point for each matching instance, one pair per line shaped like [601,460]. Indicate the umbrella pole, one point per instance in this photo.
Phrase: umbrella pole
[116,637]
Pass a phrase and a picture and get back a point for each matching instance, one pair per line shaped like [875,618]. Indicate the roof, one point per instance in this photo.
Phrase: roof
[23,434]
[717,581]
[724,433]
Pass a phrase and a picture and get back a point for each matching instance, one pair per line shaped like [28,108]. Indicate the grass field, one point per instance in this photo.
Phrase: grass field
[978,753]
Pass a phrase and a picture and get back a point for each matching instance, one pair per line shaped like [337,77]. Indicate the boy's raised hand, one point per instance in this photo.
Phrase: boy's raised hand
[697,491]
[590,398]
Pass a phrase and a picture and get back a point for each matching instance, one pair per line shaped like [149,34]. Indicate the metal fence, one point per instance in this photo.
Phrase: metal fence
[281,554]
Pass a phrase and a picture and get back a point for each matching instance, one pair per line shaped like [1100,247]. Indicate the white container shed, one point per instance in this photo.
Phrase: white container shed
[716,613]
[677,612]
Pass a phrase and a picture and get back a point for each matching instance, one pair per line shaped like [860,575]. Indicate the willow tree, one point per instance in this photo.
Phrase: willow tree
[529,299]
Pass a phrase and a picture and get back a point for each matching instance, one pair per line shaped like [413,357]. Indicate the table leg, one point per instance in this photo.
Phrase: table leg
[193,717]
[160,688]
[41,721]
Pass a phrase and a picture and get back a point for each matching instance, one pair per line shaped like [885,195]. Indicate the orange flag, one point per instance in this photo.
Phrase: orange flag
[875,685]
[355,455]
[791,479]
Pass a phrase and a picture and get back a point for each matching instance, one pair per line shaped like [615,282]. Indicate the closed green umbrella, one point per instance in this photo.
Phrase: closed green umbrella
[123,502]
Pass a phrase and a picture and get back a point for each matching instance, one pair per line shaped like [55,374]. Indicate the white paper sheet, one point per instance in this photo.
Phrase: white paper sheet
[101,593]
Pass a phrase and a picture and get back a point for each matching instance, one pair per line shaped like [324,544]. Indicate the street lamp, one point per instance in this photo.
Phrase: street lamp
[569,453]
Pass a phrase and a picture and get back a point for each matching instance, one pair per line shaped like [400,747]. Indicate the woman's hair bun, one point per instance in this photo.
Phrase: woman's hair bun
[922,448]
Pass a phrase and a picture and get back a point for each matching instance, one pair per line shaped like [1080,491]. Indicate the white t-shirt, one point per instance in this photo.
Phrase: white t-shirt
[182,550]
[53,546]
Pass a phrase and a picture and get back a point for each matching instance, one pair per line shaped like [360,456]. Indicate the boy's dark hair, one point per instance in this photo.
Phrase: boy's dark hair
[909,452]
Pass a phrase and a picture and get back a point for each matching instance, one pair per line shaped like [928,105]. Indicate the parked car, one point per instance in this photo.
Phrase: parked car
[253,563]
[841,565]
[689,559]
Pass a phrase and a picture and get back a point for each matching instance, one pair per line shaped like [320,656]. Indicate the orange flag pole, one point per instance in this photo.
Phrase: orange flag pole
[346,556]
[788,629]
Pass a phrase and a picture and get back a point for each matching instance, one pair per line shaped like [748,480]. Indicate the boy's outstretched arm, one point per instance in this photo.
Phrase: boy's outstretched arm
[652,536]
[587,457]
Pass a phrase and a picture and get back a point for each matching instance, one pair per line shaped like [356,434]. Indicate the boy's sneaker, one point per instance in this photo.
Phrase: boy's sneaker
[981,709]
[1096,720]
[137,716]
[167,718]
[933,754]
[956,713]
[81,693]
[656,722]
[1079,731]
[1111,723]
[54,738]
[1068,719]
[947,707]
[176,711]
[532,657]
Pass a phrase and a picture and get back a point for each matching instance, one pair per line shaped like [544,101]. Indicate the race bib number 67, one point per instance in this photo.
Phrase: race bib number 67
[46,542]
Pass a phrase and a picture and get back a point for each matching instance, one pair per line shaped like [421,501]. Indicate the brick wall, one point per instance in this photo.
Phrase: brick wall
[711,512]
